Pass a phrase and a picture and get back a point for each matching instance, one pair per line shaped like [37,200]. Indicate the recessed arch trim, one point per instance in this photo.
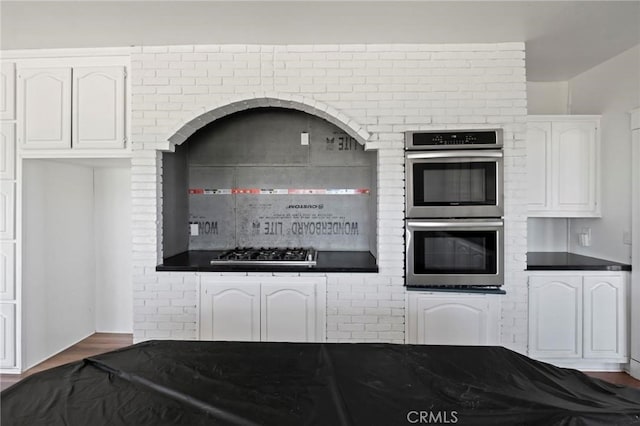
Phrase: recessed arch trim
[203,116]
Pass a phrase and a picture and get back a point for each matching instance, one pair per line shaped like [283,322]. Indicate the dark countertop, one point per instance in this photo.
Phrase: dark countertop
[565,261]
[327,261]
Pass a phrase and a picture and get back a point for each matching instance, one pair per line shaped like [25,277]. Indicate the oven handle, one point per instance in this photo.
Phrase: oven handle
[454,224]
[456,154]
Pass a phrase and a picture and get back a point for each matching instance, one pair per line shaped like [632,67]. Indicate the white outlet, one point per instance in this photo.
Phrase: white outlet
[584,237]
[304,138]
[626,237]
[194,229]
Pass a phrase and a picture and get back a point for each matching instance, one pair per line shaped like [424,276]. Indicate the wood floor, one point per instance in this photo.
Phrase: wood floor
[93,345]
[105,342]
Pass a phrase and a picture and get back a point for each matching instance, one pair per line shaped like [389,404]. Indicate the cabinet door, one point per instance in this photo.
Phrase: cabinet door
[8,91]
[45,107]
[7,271]
[604,317]
[538,165]
[555,316]
[7,210]
[98,107]
[7,335]
[574,170]
[230,311]
[7,151]
[290,312]
[459,320]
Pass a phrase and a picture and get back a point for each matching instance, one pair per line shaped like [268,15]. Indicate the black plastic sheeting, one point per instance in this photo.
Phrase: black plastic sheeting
[238,383]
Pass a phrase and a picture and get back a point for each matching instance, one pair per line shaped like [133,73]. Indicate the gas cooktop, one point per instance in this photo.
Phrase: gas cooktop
[296,256]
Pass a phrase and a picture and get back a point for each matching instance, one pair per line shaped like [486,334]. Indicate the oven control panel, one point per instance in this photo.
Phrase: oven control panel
[454,139]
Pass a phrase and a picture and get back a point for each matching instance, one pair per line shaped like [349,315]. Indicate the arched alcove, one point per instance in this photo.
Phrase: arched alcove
[269,176]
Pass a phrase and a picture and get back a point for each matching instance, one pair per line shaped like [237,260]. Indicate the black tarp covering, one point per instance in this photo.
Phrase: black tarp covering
[241,383]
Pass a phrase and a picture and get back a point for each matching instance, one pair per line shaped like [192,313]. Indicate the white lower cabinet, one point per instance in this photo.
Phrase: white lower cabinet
[578,318]
[284,309]
[7,335]
[230,311]
[453,318]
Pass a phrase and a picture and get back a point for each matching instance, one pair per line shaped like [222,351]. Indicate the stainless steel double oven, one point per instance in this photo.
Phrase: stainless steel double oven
[454,208]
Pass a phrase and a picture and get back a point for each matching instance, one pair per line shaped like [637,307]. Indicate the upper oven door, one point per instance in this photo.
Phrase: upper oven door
[448,184]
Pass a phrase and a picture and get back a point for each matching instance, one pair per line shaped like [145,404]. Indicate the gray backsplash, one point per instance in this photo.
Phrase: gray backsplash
[261,148]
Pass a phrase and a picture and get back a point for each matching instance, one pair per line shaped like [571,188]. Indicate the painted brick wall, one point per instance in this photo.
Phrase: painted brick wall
[378,92]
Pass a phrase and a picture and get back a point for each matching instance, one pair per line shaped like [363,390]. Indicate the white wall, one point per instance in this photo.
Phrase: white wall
[112,202]
[547,234]
[58,258]
[610,89]
[547,97]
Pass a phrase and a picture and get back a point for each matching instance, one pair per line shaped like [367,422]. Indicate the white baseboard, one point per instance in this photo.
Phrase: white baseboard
[634,369]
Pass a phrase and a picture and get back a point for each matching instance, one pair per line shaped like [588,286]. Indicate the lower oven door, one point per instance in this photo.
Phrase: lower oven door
[454,252]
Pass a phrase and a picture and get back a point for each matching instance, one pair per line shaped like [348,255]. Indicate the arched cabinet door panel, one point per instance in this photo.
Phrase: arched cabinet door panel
[555,317]
[44,108]
[289,312]
[459,319]
[98,107]
[8,91]
[7,335]
[604,317]
[230,311]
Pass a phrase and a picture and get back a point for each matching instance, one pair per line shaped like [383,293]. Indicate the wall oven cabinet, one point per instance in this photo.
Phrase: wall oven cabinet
[454,252]
[457,183]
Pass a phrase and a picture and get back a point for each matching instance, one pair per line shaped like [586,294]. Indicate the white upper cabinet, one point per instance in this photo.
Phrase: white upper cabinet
[44,102]
[538,160]
[98,107]
[72,107]
[563,166]
[8,91]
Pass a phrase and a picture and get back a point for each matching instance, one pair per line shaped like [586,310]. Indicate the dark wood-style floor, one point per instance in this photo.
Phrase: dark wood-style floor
[105,342]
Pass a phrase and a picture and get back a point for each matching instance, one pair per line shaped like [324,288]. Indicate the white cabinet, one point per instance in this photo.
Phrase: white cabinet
[230,311]
[7,210]
[72,107]
[563,166]
[44,105]
[453,319]
[7,271]
[98,107]
[555,309]
[7,335]
[7,151]
[287,309]
[7,91]
[605,322]
[578,317]
[291,312]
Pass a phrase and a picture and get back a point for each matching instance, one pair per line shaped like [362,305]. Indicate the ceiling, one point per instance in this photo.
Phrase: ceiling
[562,39]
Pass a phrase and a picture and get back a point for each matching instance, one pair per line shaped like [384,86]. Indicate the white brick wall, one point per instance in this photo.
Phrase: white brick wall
[375,92]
